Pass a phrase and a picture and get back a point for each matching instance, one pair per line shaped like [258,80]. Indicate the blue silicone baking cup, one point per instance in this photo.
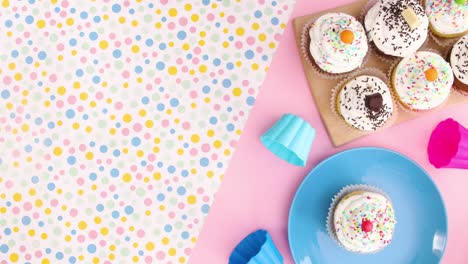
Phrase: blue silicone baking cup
[290,138]
[256,248]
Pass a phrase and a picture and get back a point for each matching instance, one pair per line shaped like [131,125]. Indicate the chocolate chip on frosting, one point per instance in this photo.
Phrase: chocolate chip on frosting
[374,102]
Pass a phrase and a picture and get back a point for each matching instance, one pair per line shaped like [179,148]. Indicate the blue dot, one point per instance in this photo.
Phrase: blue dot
[26,220]
[145,100]
[103,149]
[14,53]
[93,176]
[184,173]
[8,23]
[29,19]
[48,250]
[160,197]
[96,79]
[181,35]
[72,42]
[92,143]
[84,15]
[99,207]
[91,248]
[181,190]
[249,54]
[7,231]
[72,260]
[174,102]
[97,19]
[171,169]
[47,142]
[59,255]
[128,209]
[168,228]
[116,153]
[34,179]
[205,208]
[138,69]
[217,62]
[5,94]
[185,235]
[160,65]
[79,72]
[226,83]
[51,186]
[204,162]
[206,2]
[258,14]
[206,89]
[149,42]
[160,107]
[28,148]
[116,53]
[275,21]
[250,100]
[115,214]
[29,59]
[213,120]
[114,172]
[162,46]
[230,127]
[219,165]
[71,160]
[136,141]
[93,35]
[70,113]
[4,248]
[116,8]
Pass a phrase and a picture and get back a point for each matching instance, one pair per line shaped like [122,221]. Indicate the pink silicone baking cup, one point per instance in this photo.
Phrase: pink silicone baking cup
[448,145]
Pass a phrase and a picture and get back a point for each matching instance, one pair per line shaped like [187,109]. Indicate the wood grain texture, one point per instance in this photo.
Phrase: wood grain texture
[321,88]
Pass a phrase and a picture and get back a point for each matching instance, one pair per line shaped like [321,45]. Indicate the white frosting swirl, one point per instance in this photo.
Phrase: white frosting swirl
[459,60]
[349,215]
[329,52]
[390,32]
[411,85]
[447,17]
[352,106]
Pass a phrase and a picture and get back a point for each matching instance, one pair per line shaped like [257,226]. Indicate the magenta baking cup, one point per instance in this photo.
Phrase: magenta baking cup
[448,145]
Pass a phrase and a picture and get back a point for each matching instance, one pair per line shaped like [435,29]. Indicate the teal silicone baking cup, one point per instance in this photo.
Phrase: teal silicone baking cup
[290,138]
[256,248]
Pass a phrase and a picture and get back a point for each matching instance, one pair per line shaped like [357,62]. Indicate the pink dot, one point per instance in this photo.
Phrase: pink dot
[27,257]
[197,50]
[250,40]
[38,254]
[226,98]
[82,147]
[183,21]
[151,157]
[8,184]
[27,206]
[125,74]
[118,105]
[186,125]
[81,238]
[112,36]
[187,251]
[165,123]
[259,49]
[73,212]
[210,17]
[128,41]
[193,152]
[125,131]
[120,230]
[83,59]
[206,199]
[65,4]
[181,206]
[214,156]
[200,190]
[92,234]
[7,80]
[99,95]
[16,210]
[141,233]
[103,194]
[102,243]
[71,99]
[205,147]
[54,202]
[171,25]
[137,127]
[231,19]
[193,94]
[160,255]
[36,215]
[238,45]
[53,78]
[148,259]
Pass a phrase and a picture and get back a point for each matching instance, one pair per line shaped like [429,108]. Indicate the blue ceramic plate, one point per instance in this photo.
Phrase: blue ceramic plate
[421,229]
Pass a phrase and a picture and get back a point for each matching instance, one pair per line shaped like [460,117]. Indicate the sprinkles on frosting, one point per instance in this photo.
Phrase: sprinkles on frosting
[411,85]
[364,222]
[447,17]
[459,60]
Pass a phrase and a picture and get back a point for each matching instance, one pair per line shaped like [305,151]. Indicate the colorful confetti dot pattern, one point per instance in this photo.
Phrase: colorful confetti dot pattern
[118,119]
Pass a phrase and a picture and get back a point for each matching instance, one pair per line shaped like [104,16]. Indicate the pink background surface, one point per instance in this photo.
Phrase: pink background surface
[258,187]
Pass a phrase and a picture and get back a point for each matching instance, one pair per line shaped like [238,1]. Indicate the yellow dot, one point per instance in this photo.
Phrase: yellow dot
[11,66]
[188,7]
[38,203]
[69,21]
[209,174]
[57,151]
[182,260]
[255,26]
[210,133]
[186,46]
[82,225]
[17,197]
[262,37]
[95,260]
[149,123]
[41,23]
[61,90]
[135,259]
[150,246]
[43,236]
[121,20]
[89,155]
[31,232]
[192,199]
[217,144]
[240,31]
[127,118]
[165,240]
[104,231]
[76,85]
[195,138]
[157,25]
[14,257]
[135,49]
[142,112]
[18,76]
[134,23]
[194,17]
[127,177]
[157,176]
[172,251]
[237,91]
[103,44]
[83,96]
[172,12]
[255,66]
[272,45]
[24,128]
[202,68]
[172,70]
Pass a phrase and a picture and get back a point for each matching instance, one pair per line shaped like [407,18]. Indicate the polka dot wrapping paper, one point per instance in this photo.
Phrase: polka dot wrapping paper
[118,119]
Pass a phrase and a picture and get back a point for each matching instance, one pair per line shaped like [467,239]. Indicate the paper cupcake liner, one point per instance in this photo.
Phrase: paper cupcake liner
[372,47]
[336,199]
[443,42]
[403,106]
[458,87]
[334,96]
[305,43]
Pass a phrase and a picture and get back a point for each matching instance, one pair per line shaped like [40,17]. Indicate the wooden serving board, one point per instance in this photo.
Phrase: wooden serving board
[322,88]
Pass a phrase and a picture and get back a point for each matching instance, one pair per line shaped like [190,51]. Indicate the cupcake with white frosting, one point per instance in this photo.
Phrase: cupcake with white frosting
[361,219]
[448,18]
[459,63]
[397,28]
[364,102]
[422,81]
[338,43]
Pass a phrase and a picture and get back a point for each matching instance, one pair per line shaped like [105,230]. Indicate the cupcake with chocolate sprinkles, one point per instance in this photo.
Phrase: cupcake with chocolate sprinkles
[447,18]
[364,103]
[361,219]
[397,27]
[459,63]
